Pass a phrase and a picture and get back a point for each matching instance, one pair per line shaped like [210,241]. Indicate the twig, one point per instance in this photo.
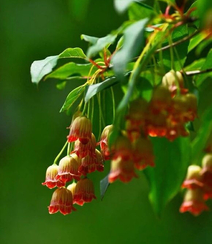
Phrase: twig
[178,42]
[197,72]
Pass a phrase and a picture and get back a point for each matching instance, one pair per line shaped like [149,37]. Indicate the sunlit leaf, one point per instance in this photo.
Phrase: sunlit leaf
[40,68]
[73,53]
[171,162]
[122,5]
[69,69]
[72,97]
[98,44]
[196,65]
[133,39]
[140,11]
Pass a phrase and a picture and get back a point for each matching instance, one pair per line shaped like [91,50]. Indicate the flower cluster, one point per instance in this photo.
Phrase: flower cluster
[198,184]
[168,111]
[84,159]
[126,154]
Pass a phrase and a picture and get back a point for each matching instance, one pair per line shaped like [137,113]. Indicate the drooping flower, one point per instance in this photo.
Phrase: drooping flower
[51,177]
[83,150]
[61,201]
[174,80]
[68,168]
[84,192]
[194,202]
[91,163]
[143,153]
[206,174]
[193,178]
[106,152]
[121,169]
[80,129]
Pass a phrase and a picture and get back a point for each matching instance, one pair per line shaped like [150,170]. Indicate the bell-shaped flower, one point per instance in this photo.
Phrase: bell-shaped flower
[84,192]
[68,168]
[194,202]
[51,177]
[107,153]
[143,153]
[121,169]
[81,129]
[193,178]
[62,201]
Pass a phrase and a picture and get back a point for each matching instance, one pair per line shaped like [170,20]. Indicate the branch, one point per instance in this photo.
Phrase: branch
[178,42]
[197,72]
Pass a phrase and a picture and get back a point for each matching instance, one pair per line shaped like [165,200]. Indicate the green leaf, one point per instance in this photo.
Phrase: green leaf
[171,162]
[72,97]
[104,184]
[99,44]
[196,65]
[91,39]
[122,5]
[69,69]
[40,68]
[73,53]
[196,40]
[204,8]
[140,11]
[199,143]
[94,89]
[205,66]
[133,39]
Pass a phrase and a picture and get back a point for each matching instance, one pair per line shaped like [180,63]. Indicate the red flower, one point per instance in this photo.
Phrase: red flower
[51,177]
[68,168]
[91,163]
[206,174]
[143,153]
[61,201]
[193,178]
[194,202]
[104,142]
[84,192]
[80,129]
[122,148]
[121,169]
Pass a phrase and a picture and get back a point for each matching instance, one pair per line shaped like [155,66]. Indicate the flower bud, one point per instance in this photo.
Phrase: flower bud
[104,142]
[84,192]
[80,129]
[61,201]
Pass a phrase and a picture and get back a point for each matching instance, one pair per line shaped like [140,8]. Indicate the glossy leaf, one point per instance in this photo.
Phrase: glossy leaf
[199,143]
[171,162]
[207,65]
[72,97]
[140,11]
[133,39]
[196,40]
[40,68]
[104,184]
[73,53]
[99,44]
[122,5]
[196,65]
[94,89]
[70,69]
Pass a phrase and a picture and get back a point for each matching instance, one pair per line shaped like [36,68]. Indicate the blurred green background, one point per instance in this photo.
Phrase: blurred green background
[33,132]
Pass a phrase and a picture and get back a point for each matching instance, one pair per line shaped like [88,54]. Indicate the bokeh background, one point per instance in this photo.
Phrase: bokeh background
[33,131]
